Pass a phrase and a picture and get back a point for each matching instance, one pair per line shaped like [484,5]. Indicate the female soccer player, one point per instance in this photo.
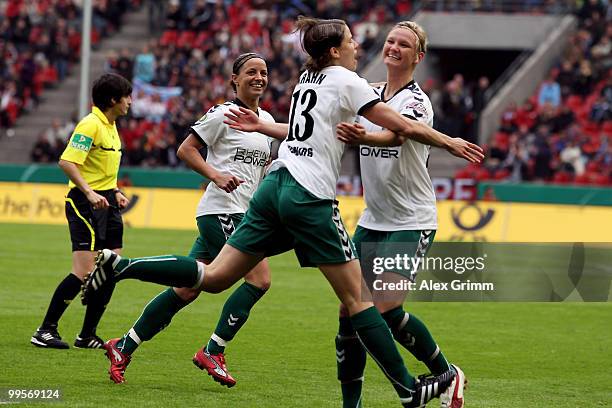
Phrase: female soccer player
[400,212]
[235,165]
[294,206]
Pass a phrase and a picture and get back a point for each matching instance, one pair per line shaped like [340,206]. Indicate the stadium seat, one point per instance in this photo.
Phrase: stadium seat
[168,37]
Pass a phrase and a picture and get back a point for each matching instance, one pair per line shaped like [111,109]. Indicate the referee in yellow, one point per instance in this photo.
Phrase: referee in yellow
[93,204]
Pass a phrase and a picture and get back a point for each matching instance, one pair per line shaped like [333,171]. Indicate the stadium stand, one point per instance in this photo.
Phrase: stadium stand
[563,133]
[193,54]
[40,40]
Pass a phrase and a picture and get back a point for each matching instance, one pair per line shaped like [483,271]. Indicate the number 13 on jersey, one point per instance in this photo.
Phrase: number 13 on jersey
[307,101]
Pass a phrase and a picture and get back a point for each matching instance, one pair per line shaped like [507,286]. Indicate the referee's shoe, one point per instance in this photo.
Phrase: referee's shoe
[48,337]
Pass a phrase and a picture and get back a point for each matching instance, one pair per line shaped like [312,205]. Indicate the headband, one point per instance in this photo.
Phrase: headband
[242,59]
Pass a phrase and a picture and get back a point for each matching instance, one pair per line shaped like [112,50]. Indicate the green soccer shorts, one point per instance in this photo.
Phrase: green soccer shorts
[214,230]
[283,215]
[372,244]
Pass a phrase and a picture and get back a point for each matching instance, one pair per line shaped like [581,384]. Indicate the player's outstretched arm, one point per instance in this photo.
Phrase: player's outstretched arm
[405,128]
[189,152]
[355,134]
[247,121]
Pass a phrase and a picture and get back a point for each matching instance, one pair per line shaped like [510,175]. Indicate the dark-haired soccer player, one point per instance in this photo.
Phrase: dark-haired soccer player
[235,164]
[93,204]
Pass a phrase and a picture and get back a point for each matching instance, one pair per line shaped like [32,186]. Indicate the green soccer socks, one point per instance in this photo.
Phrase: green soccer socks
[156,315]
[234,315]
[351,361]
[412,333]
[169,270]
[378,342]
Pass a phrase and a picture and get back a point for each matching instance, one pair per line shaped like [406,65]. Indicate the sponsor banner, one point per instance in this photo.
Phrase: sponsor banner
[508,222]
[457,220]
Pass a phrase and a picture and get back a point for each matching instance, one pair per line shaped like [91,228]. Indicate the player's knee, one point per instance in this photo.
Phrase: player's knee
[386,306]
[262,283]
[212,284]
[187,294]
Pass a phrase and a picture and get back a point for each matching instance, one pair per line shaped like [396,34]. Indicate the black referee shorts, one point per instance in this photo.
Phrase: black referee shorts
[91,230]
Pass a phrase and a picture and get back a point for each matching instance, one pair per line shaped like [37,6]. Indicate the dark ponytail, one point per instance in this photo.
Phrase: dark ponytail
[318,37]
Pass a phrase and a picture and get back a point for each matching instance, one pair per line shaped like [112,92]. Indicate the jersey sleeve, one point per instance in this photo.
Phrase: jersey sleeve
[210,126]
[357,94]
[83,138]
[417,107]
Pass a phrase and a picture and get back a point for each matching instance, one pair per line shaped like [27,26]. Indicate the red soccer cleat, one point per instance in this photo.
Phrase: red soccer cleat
[214,364]
[118,360]
[453,396]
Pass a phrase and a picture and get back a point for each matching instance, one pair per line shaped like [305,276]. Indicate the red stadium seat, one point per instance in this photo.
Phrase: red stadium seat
[168,37]
[582,179]
[574,102]
[186,39]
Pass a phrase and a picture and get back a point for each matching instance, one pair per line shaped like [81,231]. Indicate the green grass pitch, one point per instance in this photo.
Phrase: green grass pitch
[514,354]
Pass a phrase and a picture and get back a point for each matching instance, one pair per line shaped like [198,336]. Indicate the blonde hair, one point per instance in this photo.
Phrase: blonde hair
[417,30]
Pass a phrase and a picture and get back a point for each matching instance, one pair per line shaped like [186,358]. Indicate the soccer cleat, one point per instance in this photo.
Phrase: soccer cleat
[48,338]
[453,396]
[430,387]
[101,276]
[91,342]
[118,360]
[214,364]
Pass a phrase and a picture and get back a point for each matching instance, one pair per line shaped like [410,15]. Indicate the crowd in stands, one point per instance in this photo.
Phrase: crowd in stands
[563,133]
[501,6]
[194,54]
[39,42]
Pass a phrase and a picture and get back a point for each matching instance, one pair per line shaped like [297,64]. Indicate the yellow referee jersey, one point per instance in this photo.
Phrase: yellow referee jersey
[95,146]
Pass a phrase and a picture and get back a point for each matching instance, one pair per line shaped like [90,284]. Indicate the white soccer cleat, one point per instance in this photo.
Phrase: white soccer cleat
[453,396]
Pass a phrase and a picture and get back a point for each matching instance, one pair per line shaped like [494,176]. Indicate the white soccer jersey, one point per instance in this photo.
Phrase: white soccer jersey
[320,101]
[397,188]
[242,154]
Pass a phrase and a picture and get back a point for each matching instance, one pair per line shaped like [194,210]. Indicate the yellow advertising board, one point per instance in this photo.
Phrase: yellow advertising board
[458,220]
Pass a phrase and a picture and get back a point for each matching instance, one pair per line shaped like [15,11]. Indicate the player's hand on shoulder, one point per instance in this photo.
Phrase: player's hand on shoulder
[97,201]
[242,119]
[227,182]
[350,133]
[465,150]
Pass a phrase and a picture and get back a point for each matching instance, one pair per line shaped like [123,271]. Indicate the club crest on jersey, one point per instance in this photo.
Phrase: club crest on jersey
[254,157]
[417,108]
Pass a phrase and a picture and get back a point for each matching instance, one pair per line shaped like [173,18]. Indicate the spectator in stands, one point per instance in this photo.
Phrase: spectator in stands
[540,153]
[583,83]
[144,65]
[479,94]
[39,40]
[571,156]
[550,92]
[565,77]
[43,151]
